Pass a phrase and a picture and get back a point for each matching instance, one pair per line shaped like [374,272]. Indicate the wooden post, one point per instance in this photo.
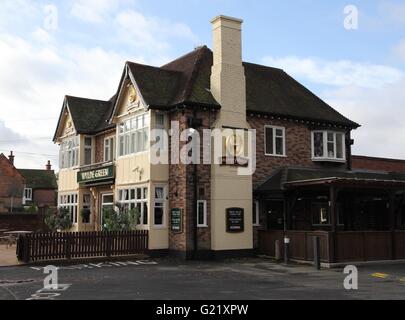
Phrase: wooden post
[26,249]
[332,205]
[333,218]
[68,244]
[392,224]
[108,244]
[317,252]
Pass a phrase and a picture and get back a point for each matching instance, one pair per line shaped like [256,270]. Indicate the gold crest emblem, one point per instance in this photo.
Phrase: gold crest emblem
[132,95]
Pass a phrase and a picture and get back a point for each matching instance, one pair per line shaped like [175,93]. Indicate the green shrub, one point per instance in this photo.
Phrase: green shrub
[122,219]
[58,220]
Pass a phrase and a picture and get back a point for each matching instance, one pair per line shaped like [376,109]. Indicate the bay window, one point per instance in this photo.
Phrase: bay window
[328,145]
[133,135]
[274,138]
[69,153]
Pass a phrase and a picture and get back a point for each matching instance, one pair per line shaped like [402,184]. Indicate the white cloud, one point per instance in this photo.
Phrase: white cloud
[399,50]
[337,73]
[393,12]
[94,11]
[34,80]
[151,34]
[380,112]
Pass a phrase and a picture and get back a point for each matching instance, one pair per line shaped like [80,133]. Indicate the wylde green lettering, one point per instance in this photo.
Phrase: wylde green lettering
[94,175]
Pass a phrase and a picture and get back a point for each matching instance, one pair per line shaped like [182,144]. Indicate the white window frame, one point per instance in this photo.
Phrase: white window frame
[205,223]
[70,202]
[25,198]
[69,157]
[129,131]
[135,201]
[256,214]
[111,149]
[104,204]
[274,153]
[88,206]
[163,202]
[160,126]
[86,148]
[326,156]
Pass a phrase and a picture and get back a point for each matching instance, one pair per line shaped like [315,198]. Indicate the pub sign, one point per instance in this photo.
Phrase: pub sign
[235,220]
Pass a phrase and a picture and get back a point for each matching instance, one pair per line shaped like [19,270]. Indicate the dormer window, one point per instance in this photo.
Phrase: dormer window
[328,146]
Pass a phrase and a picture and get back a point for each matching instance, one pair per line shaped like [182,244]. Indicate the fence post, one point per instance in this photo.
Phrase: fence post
[286,249]
[26,248]
[317,252]
[108,244]
[68,246]
[277,250]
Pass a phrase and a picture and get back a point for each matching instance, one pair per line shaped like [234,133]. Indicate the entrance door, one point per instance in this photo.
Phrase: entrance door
[107,203]
[275,214]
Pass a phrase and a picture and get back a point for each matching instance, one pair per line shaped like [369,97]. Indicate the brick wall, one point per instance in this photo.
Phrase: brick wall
[99,146]
[23,222]
[378,164]
[181,189]
[11,183]
[45,197]
[298,148]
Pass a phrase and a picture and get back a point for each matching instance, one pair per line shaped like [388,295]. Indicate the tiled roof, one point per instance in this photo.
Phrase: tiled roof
[186,81]
[39,179]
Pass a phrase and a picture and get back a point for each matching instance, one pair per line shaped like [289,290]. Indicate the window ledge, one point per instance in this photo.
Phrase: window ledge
[275,155]
[202,226]
[160,227]
[328,160]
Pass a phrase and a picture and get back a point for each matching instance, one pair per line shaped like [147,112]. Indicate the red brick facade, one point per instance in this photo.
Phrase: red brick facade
[298,147]
[378,164]
[11,185]
[182,190]
[44,197]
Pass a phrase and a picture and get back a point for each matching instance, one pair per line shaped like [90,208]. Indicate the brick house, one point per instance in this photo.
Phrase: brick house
[378,164]
[11,184]
[303,172]
[21,188]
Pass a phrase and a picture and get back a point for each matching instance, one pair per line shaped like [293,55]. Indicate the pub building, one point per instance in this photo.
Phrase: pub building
[303,186]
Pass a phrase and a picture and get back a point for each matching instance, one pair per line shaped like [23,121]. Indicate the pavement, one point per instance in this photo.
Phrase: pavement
[8,256]
[166,279]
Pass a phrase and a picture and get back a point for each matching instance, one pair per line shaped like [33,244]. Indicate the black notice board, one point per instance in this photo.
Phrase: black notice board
[235,220]
[176,220]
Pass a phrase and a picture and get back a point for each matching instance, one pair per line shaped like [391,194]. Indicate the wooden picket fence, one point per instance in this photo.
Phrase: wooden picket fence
[80,245]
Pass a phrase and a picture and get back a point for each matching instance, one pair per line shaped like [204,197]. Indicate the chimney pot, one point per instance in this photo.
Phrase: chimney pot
[49,166]
[11,157]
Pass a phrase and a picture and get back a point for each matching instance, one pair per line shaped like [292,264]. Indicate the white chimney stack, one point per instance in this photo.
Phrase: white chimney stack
[228,84]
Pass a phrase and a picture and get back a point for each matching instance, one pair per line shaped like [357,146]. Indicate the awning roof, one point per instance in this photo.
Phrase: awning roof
[289,177]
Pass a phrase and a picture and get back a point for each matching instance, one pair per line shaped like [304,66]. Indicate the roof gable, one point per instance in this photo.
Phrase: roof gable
[5,162]
[186,81]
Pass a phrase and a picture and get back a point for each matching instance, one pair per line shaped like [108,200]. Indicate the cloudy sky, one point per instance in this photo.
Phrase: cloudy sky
[79,47]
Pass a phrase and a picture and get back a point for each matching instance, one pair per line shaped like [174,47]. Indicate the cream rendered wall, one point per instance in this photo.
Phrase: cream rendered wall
[128,170]
[228,86]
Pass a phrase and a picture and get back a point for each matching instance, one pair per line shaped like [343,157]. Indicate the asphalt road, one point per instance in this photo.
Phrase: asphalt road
[171,280]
